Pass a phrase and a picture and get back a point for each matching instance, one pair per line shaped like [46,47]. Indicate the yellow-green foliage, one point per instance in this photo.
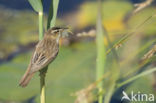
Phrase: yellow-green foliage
[149,28]
[113,14]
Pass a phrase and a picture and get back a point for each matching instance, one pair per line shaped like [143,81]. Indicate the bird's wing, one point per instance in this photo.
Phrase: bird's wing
[42,57]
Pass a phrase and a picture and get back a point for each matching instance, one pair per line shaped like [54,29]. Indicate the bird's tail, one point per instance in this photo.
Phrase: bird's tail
[26,78]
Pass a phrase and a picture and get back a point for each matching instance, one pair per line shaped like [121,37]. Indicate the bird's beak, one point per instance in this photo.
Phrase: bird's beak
[63,28]
[65,31]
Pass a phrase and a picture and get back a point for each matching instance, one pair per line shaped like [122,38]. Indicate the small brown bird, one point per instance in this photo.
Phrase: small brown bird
[45,52]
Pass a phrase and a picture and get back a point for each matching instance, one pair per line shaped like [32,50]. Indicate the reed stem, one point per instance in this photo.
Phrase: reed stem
[100,51]
[40,15]
[43,71]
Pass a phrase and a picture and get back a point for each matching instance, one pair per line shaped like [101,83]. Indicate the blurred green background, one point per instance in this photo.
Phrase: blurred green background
[74,68]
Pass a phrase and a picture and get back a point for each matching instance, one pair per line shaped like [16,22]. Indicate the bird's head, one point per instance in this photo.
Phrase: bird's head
[58,31]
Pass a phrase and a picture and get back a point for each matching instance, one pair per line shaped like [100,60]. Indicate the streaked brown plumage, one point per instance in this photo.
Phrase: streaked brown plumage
[45,52]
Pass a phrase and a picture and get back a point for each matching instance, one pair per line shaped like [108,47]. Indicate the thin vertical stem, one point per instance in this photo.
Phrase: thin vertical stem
[40,15]
[100,51]
[42,83]
[42,72]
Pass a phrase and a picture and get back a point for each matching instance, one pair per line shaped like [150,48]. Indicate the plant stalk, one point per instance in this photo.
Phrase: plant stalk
[42,83]
[40,15]
[43,71]
[100,51]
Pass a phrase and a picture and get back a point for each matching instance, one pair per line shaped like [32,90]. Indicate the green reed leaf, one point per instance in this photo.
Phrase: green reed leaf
[52,13]
[37,5]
